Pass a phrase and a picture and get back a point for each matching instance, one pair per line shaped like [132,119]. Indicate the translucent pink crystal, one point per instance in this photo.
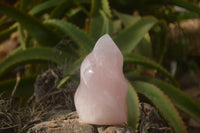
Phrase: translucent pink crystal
[101,95]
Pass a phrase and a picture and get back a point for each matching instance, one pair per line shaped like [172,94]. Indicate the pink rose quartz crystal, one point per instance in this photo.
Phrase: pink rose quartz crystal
[100,98]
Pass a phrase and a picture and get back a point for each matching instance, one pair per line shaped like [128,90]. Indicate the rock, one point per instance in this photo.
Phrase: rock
[150,122]
[101,96]
[115,129]
[71,124]
[67,124]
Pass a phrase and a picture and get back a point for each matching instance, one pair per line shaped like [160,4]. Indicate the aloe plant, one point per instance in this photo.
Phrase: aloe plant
[129,32]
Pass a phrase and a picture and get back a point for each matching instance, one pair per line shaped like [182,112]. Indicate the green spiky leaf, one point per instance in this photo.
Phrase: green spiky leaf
[84,42]
[100,5]
[75,66]
[43,6]
[31,55]
[138,59]
[60,10]
[43,34]
[24,89]
[185,4]
[127,19]
[128,39]
[100,18]
[99,25]
[133,107]
[181,100]
[163,104]
[6,33]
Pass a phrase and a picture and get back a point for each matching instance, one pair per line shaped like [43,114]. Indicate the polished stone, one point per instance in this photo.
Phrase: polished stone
[100,98]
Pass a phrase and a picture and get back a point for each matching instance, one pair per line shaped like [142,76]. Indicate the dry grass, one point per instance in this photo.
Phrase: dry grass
[13,118]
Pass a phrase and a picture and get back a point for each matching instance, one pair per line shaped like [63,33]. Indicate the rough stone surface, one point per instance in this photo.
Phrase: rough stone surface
[150,122]
[101,96]
[71,124]
[66,124]
[115,129]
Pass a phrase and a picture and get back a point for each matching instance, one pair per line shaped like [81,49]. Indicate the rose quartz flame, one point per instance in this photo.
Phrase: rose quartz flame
[100,98]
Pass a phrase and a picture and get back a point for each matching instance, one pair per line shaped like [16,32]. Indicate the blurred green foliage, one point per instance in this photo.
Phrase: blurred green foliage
[59,30]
